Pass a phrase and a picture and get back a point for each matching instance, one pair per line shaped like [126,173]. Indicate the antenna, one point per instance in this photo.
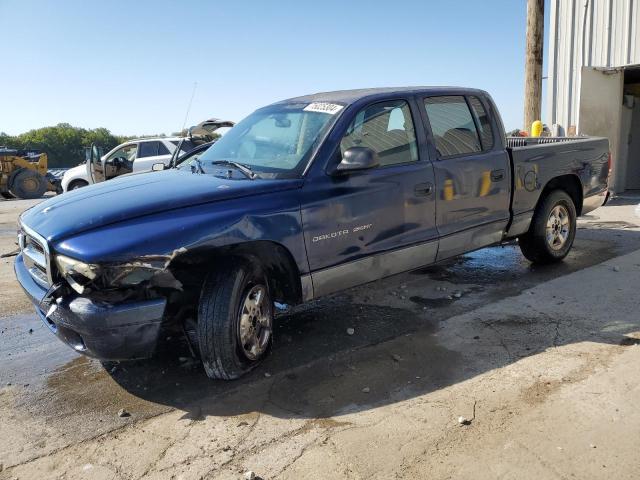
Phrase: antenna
[186,115]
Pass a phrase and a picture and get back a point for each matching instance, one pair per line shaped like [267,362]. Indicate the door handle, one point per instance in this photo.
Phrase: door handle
[423,189]
[497,175]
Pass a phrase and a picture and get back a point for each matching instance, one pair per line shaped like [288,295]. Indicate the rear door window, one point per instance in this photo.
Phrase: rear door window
[148,149]
[452,125]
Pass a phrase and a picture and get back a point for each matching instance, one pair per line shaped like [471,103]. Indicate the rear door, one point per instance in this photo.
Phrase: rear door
[373,223]
[149,153]
[472,172]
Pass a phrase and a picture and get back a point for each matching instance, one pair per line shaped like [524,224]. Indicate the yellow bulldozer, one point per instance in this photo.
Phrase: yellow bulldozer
[25,175]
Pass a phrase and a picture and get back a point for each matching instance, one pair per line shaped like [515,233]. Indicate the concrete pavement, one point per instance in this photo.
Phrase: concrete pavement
[542,362]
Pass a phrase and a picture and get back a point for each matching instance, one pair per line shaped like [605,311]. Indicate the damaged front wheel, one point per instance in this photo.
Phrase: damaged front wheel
[235,320]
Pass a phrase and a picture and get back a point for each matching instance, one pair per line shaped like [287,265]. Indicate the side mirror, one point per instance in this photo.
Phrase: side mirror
[157,167]
[357,158]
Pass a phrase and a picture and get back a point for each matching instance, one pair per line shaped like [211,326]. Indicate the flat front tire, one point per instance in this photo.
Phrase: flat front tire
[235,320]
[552,230]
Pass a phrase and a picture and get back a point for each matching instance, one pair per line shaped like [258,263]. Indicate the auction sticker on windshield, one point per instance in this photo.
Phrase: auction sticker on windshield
[323,107]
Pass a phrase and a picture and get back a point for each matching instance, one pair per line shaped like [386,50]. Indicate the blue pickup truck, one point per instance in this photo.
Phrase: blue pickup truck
[301,199]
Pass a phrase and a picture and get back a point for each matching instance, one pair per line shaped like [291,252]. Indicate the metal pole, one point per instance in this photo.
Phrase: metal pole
[533,62]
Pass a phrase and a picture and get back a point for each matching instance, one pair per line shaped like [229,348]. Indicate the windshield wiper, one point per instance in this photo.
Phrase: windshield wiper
[243,168]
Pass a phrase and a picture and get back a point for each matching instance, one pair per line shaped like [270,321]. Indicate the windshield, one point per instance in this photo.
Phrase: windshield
[274,141]
[191,156]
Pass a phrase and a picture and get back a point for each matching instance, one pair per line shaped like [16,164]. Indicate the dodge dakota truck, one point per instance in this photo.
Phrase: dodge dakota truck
[303,198]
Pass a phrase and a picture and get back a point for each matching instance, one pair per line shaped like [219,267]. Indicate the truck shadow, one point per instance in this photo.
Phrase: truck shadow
[318,370]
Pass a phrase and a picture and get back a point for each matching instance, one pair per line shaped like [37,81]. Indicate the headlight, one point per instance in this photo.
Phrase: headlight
[78,274]
[128,275]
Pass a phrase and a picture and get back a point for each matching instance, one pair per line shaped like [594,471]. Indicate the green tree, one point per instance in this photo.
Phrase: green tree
[63,143]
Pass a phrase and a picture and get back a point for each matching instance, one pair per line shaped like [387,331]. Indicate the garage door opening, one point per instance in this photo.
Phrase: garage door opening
[610,107]
[630,127]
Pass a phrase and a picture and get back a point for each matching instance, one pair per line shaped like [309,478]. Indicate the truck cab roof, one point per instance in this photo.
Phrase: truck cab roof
[353,96]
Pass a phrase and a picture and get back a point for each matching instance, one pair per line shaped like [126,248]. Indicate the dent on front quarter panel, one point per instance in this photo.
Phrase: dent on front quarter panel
[274,217]
[170,253]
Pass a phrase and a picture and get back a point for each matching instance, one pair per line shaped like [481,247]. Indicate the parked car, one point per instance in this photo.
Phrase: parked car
[303,198]
[137,155]
[140,155]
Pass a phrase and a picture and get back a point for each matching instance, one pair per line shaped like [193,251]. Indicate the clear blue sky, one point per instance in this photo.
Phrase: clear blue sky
[130,66]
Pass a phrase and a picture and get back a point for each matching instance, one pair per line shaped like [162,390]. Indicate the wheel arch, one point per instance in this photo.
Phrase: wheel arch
[570,184]
[75,181]
[280,267]
[74,173]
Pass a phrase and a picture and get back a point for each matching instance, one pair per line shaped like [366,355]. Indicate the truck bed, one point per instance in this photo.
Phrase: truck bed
[536,161]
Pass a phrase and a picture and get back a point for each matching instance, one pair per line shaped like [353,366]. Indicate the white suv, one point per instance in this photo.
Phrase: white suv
[133,156]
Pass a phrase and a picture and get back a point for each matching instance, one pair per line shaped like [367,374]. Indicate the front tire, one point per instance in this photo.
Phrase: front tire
[76,184]
[235,320]
[552,230]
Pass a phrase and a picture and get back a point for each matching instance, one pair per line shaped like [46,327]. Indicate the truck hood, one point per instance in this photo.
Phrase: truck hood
[137,195]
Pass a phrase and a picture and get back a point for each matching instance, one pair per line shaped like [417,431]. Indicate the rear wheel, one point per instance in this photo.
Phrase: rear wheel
[6,195]
[235,320]
[28,184]
[552,231]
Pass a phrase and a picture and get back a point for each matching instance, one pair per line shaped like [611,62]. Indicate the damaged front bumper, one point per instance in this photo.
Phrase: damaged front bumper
[103,330]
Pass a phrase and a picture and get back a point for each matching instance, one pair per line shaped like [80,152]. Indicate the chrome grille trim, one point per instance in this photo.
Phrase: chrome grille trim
[39,276]
[36,255]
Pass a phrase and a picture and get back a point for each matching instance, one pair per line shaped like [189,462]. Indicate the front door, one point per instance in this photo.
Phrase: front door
[116,163]
[472,172]
[94,164]
[369,224]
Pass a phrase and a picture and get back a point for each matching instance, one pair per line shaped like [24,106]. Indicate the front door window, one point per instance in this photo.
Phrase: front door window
[387,128]
[128,152]
[121,161]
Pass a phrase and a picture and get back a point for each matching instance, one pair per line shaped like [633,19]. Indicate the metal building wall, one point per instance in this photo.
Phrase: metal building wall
[596,33]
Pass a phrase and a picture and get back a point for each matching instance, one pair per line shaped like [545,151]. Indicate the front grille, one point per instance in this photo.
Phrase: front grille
[35,254]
